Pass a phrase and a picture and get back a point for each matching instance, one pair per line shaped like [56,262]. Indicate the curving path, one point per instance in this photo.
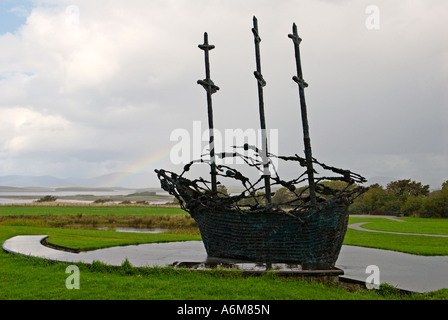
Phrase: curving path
[358,226]
[405,271]
[393,218]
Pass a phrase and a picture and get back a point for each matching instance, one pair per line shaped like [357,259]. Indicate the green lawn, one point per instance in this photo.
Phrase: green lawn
[88,210]
[412,225]
[421,245]
[32,278]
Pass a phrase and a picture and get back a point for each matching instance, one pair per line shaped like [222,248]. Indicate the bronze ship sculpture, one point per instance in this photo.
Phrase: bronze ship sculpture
[307,229]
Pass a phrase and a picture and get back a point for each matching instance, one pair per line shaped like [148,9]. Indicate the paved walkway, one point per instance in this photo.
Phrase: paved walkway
[405,271]
[393,218]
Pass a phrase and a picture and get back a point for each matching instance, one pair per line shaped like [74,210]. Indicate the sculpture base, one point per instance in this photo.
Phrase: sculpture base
[250,268]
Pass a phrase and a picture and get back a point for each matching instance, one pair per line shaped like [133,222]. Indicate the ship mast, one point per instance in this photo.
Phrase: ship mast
[306,135]
[210,88]
[261,84]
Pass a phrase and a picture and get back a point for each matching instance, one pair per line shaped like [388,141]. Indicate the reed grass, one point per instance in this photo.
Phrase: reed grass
[173,223]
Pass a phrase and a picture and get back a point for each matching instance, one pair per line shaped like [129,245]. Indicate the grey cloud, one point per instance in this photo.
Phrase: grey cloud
[127,78]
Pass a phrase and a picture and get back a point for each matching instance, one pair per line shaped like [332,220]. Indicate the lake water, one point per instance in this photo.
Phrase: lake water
[40,194]
[5,201]
[136,230]
[5,197]
[22,201]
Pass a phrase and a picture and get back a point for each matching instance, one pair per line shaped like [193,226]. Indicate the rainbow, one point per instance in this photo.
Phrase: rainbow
[139,167]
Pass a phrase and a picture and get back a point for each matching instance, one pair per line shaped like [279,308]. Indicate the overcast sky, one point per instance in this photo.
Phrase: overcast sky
[94,87]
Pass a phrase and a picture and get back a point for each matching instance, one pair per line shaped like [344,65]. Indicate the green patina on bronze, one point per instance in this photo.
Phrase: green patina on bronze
[307,230]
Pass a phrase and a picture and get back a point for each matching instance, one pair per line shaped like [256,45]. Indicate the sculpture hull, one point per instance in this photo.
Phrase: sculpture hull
[312,239]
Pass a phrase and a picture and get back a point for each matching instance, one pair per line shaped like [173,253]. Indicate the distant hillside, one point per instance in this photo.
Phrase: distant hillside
[103,181]
[25,189]
[30,181]
[143,194]
[84,189]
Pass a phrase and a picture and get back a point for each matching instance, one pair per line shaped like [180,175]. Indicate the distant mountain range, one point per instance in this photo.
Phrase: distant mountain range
[109,180]
[103,181]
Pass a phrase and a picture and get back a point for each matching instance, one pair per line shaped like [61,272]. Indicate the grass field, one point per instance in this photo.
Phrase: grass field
[64,209]
[32,278]
[26,278]
[412,225]
[420,245]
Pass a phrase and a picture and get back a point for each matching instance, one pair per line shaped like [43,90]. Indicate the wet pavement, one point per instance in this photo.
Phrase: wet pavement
[405,271]
[151,255]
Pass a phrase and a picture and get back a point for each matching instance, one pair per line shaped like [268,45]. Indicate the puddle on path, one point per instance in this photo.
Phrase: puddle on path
[136,230]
